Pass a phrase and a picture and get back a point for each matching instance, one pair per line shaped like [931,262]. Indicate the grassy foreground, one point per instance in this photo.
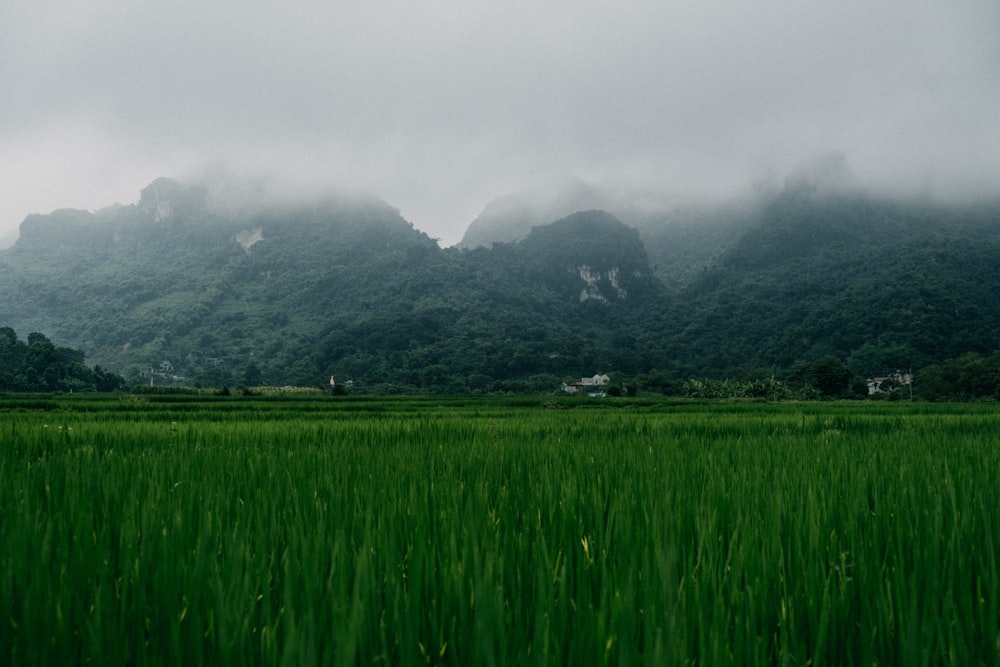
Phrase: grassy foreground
[359,531]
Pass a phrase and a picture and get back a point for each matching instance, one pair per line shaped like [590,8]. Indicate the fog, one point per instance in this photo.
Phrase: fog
[438,107]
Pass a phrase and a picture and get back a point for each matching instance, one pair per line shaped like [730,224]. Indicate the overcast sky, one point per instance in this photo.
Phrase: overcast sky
[440,106]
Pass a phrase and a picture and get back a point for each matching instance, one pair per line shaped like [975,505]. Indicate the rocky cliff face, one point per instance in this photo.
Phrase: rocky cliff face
[590,256]
[596,279]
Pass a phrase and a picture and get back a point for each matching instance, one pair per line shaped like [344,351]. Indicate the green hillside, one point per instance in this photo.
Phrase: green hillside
[291,294]
[879,284]
[181,288]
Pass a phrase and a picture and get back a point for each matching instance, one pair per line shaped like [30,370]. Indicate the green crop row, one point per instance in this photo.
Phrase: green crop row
[454,531]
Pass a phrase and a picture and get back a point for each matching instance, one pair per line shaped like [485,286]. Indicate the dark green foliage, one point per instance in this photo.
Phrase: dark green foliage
[970,377]
[290,294]
[659,381]
[559,254]
[880,284]
[828,375]
[38,365]
[145,389]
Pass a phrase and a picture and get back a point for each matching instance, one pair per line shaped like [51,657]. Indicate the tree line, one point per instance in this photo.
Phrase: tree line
[39,365]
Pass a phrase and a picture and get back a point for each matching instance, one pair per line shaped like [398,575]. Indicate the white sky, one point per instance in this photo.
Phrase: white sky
[440,106]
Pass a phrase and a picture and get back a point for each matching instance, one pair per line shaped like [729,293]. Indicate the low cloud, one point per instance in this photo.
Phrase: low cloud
[439,107]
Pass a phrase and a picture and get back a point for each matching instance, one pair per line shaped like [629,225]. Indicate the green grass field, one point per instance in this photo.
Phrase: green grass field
[486,531]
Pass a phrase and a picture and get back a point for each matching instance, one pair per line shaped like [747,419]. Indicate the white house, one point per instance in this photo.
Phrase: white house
[593,385]
[880,385]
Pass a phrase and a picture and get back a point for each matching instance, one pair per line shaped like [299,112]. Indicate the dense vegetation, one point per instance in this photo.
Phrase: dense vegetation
[184,530]
[881,286]
[971,377]
[38,365]
[182,288]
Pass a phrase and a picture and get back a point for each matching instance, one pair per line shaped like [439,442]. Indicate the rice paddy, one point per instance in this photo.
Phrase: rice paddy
[491,531]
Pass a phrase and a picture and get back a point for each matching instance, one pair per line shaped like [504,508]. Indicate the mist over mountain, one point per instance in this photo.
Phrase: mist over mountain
[438,108]
[512,216]
[288,293]
[880,284]
[219,282]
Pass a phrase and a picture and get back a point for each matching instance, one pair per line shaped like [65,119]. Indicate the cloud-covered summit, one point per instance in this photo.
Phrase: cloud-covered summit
[439,107]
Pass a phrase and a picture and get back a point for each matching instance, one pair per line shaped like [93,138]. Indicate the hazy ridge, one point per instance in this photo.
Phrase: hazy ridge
[217,289]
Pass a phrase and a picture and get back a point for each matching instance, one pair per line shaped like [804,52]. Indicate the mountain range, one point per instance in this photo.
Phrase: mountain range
[189,286]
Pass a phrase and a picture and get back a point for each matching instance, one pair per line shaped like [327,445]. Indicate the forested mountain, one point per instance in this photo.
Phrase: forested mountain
[879,284]
[185,283]
[179,286]
[511,217]
[681,240]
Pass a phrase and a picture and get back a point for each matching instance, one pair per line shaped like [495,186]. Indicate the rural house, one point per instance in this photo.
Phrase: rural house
[592,385]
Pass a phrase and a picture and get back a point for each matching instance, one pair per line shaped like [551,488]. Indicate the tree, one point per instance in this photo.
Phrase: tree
[252,376]
[39,365]
[659,381]
[828,374]
[107,381]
